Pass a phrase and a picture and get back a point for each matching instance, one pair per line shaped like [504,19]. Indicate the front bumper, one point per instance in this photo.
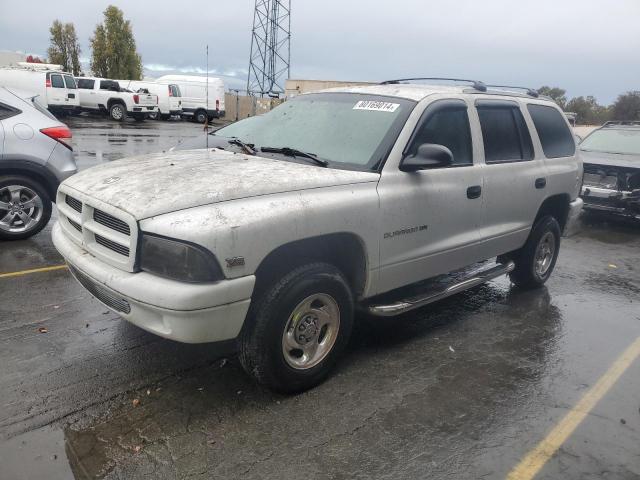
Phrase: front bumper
[190,313]
[613,201]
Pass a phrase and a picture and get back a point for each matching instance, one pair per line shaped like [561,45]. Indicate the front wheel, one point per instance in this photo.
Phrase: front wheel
[297,328]
[537,259]
[25,207]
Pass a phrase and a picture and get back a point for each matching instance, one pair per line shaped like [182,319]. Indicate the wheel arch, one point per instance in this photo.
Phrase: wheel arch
[112,101]
[345,250]
[557,206]
[33,171]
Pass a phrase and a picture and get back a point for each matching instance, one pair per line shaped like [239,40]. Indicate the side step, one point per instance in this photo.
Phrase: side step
[433,295]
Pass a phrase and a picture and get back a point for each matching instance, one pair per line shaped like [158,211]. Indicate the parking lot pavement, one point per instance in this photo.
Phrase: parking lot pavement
[466,388]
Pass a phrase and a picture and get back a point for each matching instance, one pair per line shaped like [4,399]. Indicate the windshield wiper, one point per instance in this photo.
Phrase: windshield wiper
[246,148]
[292,152]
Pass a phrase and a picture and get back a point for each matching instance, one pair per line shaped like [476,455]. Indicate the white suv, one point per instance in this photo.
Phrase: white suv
[333,201]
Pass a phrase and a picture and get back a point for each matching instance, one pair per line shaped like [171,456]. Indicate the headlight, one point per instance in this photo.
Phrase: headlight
[177,260]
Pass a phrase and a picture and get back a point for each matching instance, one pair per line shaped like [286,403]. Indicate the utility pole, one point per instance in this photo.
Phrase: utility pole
[270,57]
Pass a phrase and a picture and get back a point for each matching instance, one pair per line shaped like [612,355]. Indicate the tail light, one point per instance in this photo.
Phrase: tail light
[136,99]
[217,104]
[60,134]
[47,82]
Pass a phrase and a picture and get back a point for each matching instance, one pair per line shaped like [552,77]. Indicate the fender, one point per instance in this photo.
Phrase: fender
[17,165]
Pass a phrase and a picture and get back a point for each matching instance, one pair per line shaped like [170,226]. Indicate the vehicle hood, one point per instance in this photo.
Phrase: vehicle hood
[151,185]
[610,159]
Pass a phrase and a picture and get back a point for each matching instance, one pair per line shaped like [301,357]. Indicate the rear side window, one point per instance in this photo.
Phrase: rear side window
[555,137]
[109,85]
[6,111]
[56,81]
[449,127]
[69,82]
[504,133]
[86,83]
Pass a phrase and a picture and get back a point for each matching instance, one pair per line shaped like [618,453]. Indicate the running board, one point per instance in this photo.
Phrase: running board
[408,304]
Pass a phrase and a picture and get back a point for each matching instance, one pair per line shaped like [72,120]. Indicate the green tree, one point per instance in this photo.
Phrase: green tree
[64,48]
[558,94]
[113,48]
[627,106]
[588,111]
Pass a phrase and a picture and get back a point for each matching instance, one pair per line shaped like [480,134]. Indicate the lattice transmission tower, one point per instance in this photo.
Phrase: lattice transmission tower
[270,56]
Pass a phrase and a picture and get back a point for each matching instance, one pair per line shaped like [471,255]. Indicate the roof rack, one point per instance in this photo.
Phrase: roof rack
[532,92]
[622,122]
[478,85]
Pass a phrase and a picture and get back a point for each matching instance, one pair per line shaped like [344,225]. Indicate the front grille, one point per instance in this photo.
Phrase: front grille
[105,296]
[75,225]
[116,247]
[73,203]
[110,221]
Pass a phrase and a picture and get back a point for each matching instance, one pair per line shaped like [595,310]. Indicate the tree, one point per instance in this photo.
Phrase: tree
[113,48]
[588,111]
[32,59]
[64,49]
[558,94]
[627,106]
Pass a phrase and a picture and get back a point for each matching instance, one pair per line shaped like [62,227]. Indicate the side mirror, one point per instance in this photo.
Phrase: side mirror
[428,155]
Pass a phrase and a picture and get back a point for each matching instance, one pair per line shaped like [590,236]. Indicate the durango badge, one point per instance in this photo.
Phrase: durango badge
[111,180]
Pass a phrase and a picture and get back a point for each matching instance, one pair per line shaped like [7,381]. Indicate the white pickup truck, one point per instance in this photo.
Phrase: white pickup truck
[380,198]
[103,95]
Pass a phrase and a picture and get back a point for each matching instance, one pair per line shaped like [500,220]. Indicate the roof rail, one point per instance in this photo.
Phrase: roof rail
[532,92]
[478,85]
[622,122]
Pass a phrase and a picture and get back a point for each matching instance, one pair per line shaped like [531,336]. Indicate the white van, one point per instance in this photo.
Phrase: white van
[169,97]
[194,95]
[57,90]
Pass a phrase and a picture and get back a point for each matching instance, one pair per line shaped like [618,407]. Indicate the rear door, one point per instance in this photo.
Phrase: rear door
[514,176]
[72,91]
[87,94]
[57,92]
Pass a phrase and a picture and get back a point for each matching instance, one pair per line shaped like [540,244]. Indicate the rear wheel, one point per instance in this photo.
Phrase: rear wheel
[25,207]
[537,259]
[201,116]
[117,112]
[297,328]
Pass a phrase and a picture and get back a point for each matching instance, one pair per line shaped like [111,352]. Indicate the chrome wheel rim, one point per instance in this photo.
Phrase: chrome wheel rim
[544,254]
[311,331]
[20,209]
[117,112]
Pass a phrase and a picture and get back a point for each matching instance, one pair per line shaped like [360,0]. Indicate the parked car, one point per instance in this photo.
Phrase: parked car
[35,156]
[169,96]
[194,96]
[56,90]
[103,95]
[332,201]
[611,156]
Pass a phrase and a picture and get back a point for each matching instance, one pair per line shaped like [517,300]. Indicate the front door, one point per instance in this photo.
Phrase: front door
[430,217]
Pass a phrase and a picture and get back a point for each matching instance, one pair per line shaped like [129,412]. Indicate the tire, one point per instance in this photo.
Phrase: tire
[537,258]
[117,112]
[12,225]
[270,355]
[165,117]
[200,116]
[154,116]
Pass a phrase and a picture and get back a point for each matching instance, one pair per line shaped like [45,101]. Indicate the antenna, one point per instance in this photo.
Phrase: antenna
[206,121]
[270,57]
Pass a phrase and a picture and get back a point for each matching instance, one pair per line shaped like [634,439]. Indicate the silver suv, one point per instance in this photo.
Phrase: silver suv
[331,202]
[35,156]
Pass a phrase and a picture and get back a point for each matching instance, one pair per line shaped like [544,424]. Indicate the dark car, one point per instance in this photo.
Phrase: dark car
[611,156]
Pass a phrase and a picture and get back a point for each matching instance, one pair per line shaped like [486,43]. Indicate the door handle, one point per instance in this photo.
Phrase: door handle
[474,191]
[541,182]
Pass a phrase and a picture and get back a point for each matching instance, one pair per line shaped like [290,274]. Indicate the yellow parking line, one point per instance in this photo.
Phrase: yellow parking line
[34,270]
[538,457]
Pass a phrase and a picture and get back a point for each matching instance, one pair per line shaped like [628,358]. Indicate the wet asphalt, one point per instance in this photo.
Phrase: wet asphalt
[462,389]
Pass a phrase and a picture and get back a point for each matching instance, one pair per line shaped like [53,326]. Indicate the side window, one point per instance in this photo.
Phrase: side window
[504,133]
[555,136]
[6,111]
[56,81]
[109,85]
[448,126]
[86,84]
[70,82]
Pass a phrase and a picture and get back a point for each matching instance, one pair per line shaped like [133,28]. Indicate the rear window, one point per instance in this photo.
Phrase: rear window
[69,82]
[504,133]
[56,81]
[555,136]
[86,83]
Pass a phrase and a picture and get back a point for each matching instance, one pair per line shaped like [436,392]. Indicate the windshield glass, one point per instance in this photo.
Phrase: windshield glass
[350,130]
[620,140]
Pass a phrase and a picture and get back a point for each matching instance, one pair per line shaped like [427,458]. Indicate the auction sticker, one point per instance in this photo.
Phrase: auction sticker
[376,106]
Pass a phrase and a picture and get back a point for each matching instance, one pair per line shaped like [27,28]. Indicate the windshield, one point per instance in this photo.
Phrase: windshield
[619,140]
[350,130]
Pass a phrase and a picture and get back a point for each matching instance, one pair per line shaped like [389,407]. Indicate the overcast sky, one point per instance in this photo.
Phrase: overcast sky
[588,47]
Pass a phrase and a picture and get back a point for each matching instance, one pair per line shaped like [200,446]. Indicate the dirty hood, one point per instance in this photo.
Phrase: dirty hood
[610,159]
[151,185]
